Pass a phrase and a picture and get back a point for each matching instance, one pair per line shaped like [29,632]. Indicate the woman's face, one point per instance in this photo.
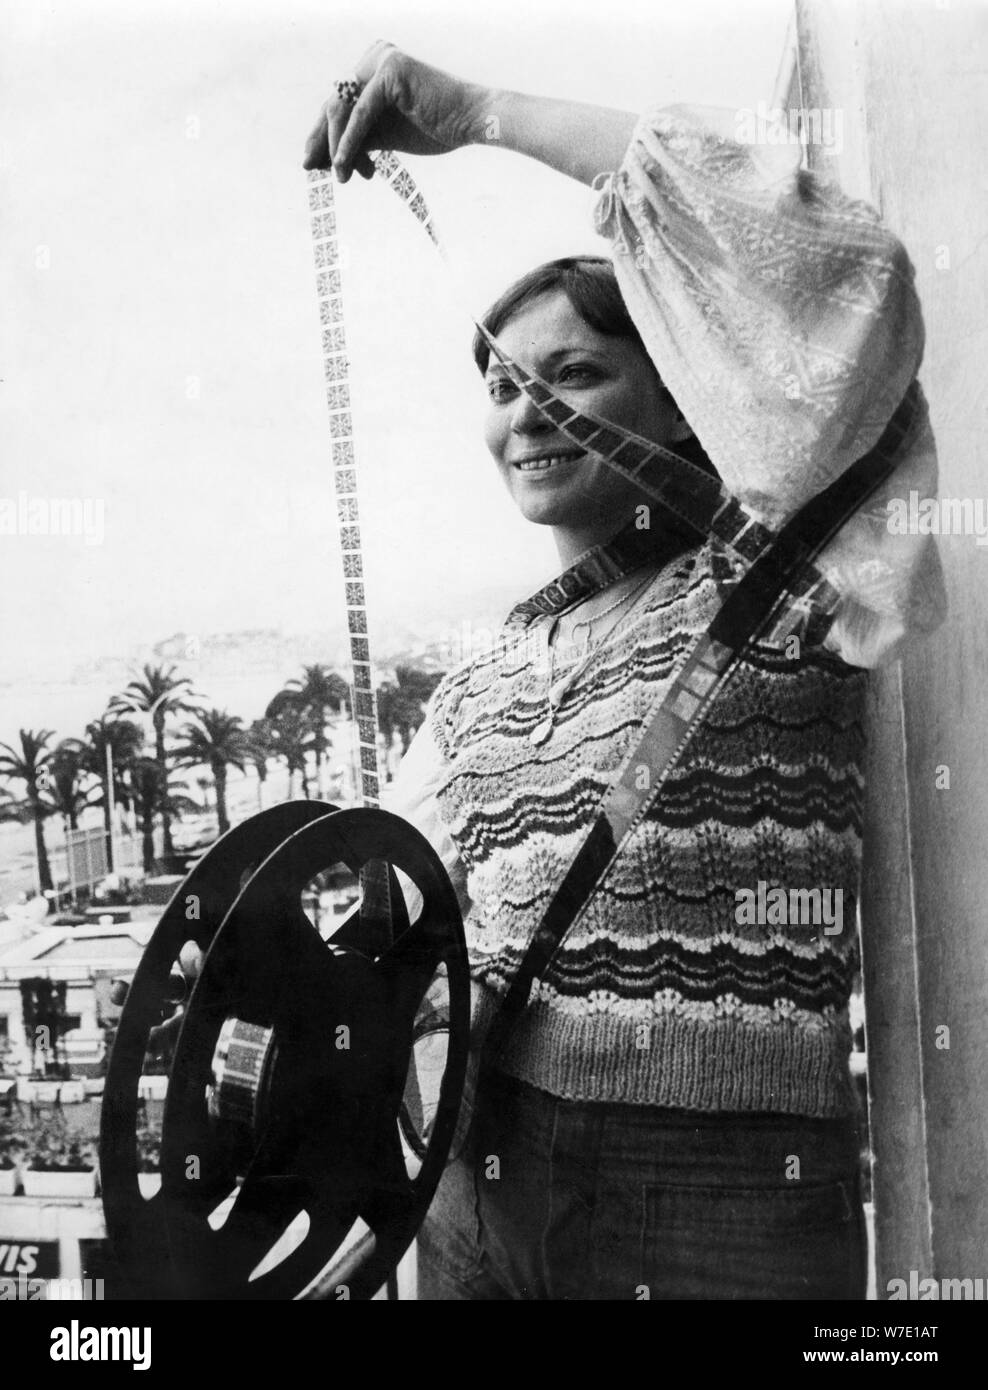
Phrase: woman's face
[552,481]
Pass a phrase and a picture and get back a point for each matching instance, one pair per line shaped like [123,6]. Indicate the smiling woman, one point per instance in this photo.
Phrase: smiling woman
[671,1115]
[598,363]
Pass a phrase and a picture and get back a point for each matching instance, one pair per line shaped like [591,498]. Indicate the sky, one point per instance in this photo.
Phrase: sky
[160,344]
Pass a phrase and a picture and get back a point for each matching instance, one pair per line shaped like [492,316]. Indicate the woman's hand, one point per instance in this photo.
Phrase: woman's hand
[404,105]
[412,108]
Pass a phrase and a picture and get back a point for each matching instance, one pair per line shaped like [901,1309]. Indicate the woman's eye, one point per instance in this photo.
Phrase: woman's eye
[576,371]
[502,389]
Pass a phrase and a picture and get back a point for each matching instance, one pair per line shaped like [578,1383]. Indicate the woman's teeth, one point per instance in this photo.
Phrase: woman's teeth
[549,461]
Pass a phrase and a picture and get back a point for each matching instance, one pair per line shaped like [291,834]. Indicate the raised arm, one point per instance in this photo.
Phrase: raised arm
[410,107]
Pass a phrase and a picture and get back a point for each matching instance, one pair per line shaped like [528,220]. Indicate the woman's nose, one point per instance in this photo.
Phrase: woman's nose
[526,418]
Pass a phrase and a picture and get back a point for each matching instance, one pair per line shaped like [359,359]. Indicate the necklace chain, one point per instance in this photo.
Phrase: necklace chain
[629,597]
[557,691]
[589,623]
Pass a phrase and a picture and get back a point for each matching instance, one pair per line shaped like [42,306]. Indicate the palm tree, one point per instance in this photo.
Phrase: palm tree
[216,740]
[416,683]
[32,766]
[124,740]
[260,747]
[401,702]
[69,769]
[159,692]
[145,793]
[291,738]
[397,713]
[319,693]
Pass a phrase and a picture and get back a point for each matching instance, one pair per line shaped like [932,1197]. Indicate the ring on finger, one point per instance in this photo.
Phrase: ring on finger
[348,90]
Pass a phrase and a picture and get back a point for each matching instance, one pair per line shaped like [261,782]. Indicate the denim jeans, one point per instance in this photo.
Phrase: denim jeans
[557,1199]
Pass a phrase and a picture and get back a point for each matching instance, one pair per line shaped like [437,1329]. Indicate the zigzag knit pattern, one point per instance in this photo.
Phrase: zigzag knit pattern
[666,993]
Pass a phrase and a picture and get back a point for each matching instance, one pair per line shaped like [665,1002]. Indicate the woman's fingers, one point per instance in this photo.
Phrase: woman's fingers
[317,145]
[403,105]
[348,136]
[355,131]
[337,115]
[320,148]
[317,150]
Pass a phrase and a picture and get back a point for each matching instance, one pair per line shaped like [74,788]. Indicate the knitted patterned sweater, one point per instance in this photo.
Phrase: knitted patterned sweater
[661,995]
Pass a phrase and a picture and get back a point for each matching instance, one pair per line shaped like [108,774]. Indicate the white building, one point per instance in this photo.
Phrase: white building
[88,959]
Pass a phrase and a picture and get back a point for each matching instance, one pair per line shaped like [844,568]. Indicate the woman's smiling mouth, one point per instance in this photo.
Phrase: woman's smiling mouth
[545,463]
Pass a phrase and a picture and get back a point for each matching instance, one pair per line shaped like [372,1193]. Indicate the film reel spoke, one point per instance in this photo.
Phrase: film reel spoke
[392,1203]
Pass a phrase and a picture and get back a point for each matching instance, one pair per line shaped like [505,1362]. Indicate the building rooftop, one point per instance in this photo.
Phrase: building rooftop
[66,952]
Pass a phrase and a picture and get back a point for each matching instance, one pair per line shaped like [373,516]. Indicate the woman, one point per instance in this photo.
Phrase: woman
[672,1115]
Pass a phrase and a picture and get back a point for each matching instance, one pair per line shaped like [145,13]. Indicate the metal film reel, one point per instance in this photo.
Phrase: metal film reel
[301,1143]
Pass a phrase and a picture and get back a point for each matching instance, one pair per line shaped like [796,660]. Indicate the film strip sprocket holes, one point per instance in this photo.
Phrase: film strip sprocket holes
[336,371]
[400,181]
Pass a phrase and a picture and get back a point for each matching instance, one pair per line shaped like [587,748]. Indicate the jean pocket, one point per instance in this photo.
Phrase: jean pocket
[801,1241]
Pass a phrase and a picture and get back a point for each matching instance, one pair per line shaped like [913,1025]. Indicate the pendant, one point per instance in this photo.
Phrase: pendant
[541,732]
[557,693]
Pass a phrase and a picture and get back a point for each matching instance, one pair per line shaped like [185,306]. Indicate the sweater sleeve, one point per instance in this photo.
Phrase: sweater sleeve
[412,795]
[783,318]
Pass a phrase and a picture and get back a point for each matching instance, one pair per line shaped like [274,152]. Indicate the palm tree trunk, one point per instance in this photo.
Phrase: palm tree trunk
[167,848]
[147,840]
[320,751]
[219,777]
[44,868]
[107,824]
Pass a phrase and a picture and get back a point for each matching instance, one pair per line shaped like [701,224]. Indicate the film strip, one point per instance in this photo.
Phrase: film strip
[699,500]
[694,497]
[336,371]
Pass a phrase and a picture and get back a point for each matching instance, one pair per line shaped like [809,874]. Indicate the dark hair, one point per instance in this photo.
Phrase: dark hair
[591,286]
